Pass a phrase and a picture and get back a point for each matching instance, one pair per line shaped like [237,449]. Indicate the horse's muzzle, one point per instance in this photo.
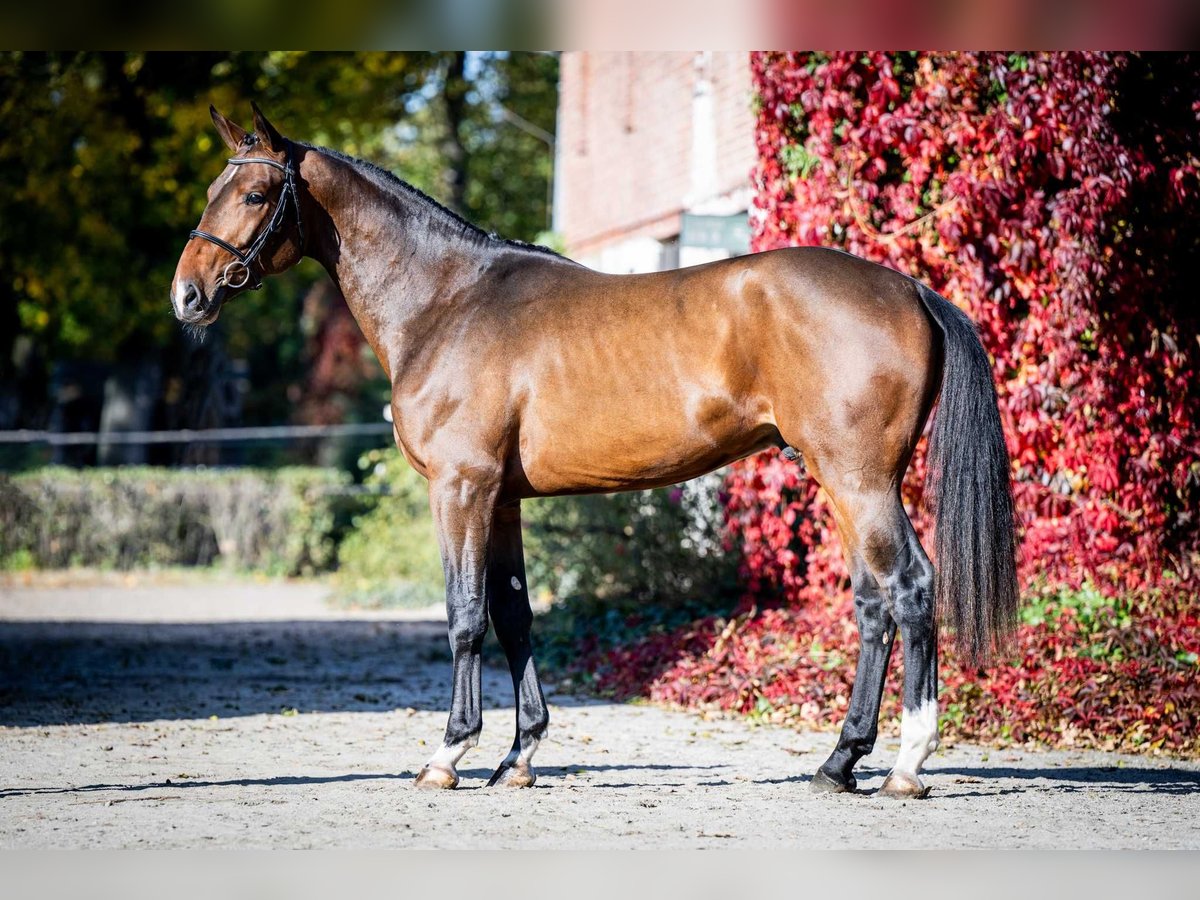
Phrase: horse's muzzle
[193,306]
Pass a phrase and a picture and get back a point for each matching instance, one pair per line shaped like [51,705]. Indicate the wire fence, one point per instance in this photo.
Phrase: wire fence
[196,435]
[269,446]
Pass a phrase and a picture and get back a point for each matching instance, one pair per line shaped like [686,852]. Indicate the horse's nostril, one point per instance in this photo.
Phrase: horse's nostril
[191,297]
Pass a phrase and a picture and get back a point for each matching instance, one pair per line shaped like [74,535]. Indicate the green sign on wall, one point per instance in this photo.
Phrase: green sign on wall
[730,233]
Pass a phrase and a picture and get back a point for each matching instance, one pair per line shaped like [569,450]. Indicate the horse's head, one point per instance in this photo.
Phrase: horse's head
[251,227]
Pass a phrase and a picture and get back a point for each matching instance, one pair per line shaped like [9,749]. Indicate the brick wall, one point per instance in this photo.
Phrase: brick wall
[627,135]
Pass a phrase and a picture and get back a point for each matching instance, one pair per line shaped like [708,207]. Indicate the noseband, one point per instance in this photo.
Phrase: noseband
[240,265]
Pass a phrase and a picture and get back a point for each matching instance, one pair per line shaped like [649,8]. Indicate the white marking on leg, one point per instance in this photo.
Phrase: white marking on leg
[521,755]
[918,737]
[447,756]
[515,770]
[526,754]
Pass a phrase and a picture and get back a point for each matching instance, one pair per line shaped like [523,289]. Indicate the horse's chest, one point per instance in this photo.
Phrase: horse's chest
[413,455]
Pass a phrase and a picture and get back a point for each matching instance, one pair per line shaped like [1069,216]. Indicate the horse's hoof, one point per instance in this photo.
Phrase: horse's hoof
[438,778]
[899,786]
[516,776]
[824,784]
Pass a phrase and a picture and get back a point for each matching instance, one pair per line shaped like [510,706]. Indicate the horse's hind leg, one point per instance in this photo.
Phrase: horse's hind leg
[876,632]
[508,601]
[893,586]
[888,545]
[906,573]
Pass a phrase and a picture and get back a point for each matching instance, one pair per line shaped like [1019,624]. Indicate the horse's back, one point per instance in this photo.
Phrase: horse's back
[593,382]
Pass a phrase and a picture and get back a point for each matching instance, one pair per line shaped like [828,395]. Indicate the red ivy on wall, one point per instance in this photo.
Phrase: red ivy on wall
[1053,197]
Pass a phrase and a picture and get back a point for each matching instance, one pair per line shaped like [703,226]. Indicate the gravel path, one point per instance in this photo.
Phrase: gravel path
[242,714]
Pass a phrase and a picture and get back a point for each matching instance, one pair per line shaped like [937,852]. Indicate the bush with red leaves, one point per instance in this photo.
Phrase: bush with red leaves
[1088,671]
[1053,197]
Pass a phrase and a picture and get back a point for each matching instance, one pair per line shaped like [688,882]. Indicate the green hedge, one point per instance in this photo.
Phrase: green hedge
[662,548]
[620,552]
[390,555]
[281,521]
[644,551]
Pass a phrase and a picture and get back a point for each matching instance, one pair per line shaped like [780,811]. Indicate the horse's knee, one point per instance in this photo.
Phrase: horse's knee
[467,625]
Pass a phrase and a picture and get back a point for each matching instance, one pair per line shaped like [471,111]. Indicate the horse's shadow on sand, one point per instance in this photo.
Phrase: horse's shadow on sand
[963,781]
[1068,779]
[56,673]
[473,778]
[65,673]
[949,783]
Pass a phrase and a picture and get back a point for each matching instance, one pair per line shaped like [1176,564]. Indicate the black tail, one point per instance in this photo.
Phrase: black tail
[971,492]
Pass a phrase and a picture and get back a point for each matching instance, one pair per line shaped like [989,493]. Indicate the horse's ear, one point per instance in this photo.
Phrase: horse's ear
[266,132]
[231,132]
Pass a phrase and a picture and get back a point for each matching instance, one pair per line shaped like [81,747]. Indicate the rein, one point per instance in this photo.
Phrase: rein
[240,265]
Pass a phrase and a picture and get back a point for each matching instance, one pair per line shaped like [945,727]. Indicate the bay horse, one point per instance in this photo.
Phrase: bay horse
[517,373]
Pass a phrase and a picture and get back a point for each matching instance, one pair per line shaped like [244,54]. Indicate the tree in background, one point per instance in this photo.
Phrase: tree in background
[460,146]
[103,168]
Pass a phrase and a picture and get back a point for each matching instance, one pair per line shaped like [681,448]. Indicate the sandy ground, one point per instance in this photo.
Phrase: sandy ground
[164,713]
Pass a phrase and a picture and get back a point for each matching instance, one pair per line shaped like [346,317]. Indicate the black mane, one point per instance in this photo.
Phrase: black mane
[390,180]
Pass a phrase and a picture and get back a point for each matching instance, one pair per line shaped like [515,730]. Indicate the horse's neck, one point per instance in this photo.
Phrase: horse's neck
[392,256]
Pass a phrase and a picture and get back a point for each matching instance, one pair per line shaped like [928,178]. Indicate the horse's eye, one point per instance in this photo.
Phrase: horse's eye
[255,199]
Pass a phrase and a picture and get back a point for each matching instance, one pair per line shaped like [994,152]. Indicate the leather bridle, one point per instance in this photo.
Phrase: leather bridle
[240,264]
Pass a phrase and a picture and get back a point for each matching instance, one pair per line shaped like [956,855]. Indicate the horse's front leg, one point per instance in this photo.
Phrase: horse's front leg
[462,502]
[508,601]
